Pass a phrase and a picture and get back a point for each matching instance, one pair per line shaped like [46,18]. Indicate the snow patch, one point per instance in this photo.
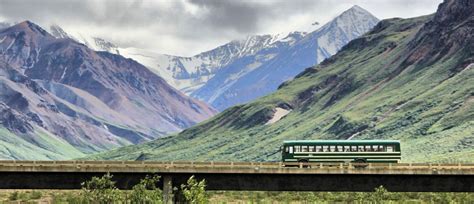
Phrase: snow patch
[64,73]
[469,66]
[279,113]
[11,44]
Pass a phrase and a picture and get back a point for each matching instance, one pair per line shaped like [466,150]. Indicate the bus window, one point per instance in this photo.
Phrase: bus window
[291,150]
[325,149]
[353,148]
[286,149]
[367,148]
[304,149]
[332,148]
[340,148]
[297,148]
[381,149]
[389,149]
[311,149]
[375,148]
[347,149]
[361,149]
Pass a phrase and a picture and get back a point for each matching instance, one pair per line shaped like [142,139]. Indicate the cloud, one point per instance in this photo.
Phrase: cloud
[187,27]
[241,16]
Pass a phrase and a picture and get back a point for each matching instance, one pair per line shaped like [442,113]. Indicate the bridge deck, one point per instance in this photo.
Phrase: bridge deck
[251,176]
[235,167]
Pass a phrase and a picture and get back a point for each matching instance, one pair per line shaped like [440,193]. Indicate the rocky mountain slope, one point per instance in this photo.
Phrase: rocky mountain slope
[190,73]
[94,43]
[61,99]
[185,73]
[4,25]
[250,77]
[406,79]
[242,70]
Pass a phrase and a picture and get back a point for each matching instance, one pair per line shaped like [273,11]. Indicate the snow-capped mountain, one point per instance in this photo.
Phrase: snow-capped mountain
[243,70]
[184,73]
[95,43]
[250,77]
[4,25]
[190,73]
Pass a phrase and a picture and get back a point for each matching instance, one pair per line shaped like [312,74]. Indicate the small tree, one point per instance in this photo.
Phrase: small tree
[380,194]
[146,191]
[13,196]
[194,192]
[101,190]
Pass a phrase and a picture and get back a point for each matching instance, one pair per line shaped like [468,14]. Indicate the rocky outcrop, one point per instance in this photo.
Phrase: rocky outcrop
[14,121]
[449,30]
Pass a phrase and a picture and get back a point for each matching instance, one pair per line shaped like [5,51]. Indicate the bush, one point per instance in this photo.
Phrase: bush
[194,192]
[380,194]
[36,195]
[13,196]
[18,196]
[147,191]
[23,196]
[101,190]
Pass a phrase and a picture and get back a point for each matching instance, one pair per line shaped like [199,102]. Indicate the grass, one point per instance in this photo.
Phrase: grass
[234,197]
[43,147]
[338,197]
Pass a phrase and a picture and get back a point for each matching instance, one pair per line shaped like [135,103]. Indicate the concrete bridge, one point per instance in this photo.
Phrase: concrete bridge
[251,176]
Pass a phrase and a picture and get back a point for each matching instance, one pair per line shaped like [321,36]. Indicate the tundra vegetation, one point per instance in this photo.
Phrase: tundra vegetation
[100,190]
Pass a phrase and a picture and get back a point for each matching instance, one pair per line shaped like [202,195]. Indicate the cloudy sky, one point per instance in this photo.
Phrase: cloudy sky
[187,27]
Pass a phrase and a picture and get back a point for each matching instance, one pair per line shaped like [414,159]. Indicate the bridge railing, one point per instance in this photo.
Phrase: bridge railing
[234,165]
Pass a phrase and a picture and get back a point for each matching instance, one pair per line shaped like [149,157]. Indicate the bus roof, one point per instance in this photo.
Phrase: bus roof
[341,141]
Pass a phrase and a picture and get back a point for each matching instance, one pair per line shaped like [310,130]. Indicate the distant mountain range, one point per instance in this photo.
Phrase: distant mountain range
[406,79]
[59,99]
[68,94]
[254,75]
[243,70]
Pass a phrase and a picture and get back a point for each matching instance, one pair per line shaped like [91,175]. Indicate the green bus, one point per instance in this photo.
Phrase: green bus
[334,151]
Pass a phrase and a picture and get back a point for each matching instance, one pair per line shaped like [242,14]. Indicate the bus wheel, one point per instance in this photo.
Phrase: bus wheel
[360,163]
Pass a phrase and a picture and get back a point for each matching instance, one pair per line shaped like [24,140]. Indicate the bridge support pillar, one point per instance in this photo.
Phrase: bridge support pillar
[168,196]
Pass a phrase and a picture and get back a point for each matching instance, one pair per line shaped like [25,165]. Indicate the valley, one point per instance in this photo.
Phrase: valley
[398,81]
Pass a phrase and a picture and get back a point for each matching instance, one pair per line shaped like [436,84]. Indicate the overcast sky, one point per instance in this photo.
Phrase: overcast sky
[187,27]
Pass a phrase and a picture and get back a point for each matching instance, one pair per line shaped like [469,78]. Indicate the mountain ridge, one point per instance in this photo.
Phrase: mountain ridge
[391,83]
[191,74]
[233,86]
[86,100]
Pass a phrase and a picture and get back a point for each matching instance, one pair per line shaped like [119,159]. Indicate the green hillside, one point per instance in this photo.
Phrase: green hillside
[404,80]
[42,147]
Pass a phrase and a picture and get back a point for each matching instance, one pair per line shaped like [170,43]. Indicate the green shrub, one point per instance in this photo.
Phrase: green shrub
[147,191]
[101,190]
[13,196]
[381,194]
[194,192]
[35,195]
[22,196]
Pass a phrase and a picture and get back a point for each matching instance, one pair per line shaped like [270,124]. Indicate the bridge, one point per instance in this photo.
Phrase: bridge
[250,176]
